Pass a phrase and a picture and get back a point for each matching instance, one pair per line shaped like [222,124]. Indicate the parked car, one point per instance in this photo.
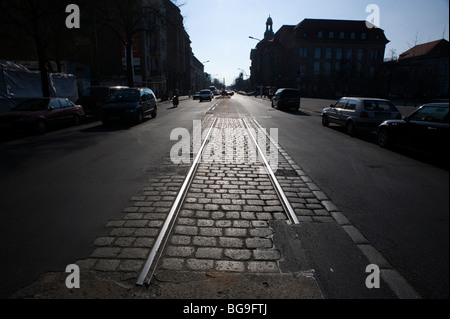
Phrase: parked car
[95,96]
[40,113]
[129,105]
[356,113]
[206,95]
[286,99]
[425,129]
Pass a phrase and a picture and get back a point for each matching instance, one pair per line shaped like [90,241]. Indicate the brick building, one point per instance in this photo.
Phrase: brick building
[322,58]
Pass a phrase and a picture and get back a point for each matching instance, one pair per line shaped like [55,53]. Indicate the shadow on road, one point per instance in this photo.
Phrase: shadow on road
[416,154]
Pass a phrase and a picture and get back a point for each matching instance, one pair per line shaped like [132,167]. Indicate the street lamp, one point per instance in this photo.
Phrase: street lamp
[245,73]
[254,38]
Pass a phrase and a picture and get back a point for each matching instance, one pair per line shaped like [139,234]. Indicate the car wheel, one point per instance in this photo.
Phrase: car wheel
[350,129]
[76,120]
[154,113]
[325,121]
[139,117]
[383,137]
[41,127]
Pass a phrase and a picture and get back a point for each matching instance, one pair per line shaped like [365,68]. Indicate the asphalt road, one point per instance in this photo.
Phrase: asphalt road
[399,200]
[59,189]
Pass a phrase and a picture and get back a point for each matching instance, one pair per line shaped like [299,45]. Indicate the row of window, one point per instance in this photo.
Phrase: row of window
[325,68]
[327,53]
[340,35]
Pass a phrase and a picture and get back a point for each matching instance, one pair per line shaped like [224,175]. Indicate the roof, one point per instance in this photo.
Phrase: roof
[434,48]
[332,24]
[373,33]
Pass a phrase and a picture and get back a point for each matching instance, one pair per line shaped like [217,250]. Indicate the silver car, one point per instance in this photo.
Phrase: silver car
[206,95]
[355,113]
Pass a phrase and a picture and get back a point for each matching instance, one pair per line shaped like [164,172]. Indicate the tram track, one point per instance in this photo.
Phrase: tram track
[151,264]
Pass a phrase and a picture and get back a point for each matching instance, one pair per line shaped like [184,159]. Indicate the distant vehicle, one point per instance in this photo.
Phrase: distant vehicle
[286,99]
[40,113]
[95,96]
[129,105]
[206,95]
[355,113]
[196,96]
[425,129]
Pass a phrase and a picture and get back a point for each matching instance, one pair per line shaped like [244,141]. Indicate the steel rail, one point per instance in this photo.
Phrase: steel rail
[173,214]
[284,201]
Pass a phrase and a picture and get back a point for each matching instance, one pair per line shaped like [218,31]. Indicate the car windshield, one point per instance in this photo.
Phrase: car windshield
[125,96]
[431,114]
[32,105]
[95,92]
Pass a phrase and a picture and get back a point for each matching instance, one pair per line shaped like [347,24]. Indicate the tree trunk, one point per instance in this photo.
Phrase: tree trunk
[130,71]
[43,68]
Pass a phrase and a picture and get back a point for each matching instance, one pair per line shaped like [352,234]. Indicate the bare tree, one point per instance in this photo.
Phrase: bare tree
[33,18]
[127,19]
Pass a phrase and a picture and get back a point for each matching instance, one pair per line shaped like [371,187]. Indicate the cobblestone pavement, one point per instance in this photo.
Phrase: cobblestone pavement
[223,228]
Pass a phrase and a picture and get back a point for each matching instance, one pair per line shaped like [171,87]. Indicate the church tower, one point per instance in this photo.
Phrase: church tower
[269,29]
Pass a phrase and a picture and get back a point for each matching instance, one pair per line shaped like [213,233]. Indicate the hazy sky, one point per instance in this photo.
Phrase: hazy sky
[220,29]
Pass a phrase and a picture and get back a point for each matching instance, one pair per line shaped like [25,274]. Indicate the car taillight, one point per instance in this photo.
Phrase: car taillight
[364,115]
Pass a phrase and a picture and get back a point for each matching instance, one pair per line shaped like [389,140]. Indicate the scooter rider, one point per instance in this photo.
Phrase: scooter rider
[175,99]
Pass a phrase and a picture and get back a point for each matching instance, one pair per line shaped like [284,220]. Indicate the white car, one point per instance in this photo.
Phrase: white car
[206,95]
[360,113]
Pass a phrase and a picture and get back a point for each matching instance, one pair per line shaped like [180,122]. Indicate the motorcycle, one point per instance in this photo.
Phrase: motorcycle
[175,101]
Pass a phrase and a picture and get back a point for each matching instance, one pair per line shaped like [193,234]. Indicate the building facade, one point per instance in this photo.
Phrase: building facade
[420,74]
[162,58]
[322,58]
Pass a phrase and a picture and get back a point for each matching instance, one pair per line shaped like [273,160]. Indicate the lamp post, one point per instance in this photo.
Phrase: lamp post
[253,38]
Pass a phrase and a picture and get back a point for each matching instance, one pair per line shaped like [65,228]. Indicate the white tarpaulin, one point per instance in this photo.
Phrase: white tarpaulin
[18,83]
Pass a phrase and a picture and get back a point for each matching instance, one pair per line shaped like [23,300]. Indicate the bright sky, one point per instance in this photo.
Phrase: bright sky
[220,29]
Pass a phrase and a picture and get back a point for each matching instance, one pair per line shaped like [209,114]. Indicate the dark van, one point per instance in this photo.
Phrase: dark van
[95,96]
[286,99]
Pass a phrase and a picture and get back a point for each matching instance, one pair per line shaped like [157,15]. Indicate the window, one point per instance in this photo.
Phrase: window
[54,104]
[353,35]
[65,103]
[374,54]
[363,36]
[330,35]
[341,35]
[328,53]
[342,103]
[303,52]
[317,53]
[351,105]
[337,67]
[359,67]
[302,69]
[319,35]
[360,54]
[338,54]
[431,114]
[349,54]
[316,68]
